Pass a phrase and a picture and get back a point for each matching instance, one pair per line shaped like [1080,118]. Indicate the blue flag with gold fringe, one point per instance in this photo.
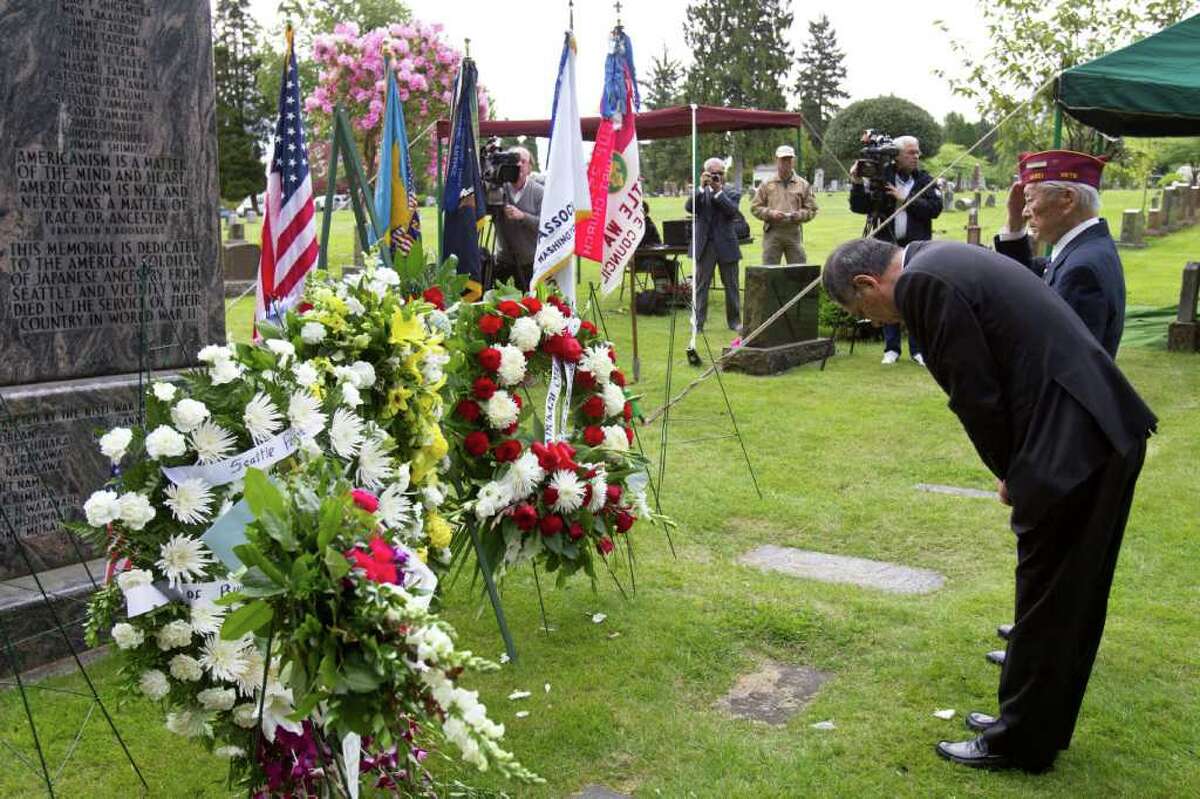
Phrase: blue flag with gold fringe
[463,201]
[395,194]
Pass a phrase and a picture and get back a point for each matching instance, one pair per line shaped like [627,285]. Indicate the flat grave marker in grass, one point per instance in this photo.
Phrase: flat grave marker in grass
[599,792]
[957,491]
[774,693]
[891,577]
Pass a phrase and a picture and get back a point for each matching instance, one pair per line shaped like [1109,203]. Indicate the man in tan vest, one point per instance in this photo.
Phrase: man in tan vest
[784,202]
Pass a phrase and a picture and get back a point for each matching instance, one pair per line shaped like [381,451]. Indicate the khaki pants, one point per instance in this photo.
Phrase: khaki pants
[783,242]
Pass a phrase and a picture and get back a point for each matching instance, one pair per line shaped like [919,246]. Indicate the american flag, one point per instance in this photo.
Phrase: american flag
[403,238]
[289,232]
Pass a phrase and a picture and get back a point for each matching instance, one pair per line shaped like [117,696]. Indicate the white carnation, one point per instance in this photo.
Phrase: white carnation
[127,636]
[306,374]
[615,438]
[115,442]
[224,372]
[136,510]
[525,334]
[501,410]
[164,391]
[174,635]
[365,372]
[186,668]
[524,475]
[188,414]
[102,507]
[551,320]
[388,277]
[217,698]
[350,396]
[190,723]
[134,578]
[154,685]
[312,333]
[165,442]
[614,400]
[491,499]
[214,353]
[284,350]
[512,365]
[245,715]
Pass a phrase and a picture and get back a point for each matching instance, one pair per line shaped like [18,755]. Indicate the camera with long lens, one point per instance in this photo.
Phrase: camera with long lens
[497,166]
[877,155]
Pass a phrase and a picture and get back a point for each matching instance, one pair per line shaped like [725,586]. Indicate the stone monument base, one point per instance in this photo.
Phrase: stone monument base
[1183,337]
[30,622]
[774,360]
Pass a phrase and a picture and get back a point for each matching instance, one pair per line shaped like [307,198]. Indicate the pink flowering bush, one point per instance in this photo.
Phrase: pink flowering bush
[352,74]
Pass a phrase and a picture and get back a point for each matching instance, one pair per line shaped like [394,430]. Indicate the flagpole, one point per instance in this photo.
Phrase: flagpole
[695,216]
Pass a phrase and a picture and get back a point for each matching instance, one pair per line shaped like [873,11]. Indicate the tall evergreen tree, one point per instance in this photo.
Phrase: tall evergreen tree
[243,113]
[741,60]
[819,86]
[665,159]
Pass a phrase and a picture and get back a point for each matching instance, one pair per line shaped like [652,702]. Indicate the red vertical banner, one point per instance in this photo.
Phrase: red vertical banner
[589,234]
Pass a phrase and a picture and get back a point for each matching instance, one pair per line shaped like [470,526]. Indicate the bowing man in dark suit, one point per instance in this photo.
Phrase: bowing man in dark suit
[1058,195]
[1063,431]
[714,242]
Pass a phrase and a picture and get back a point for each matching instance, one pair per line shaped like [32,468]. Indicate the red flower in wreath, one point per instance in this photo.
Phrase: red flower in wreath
[575,531]
[525,516]
[484,388]
[594,407]
[549,496]
[612,494]
[469,410]
[532,304]
[552,457]
[379,565]
[365,500]
[489,358]
[476,443]
[510,309]
[618,377]
[551,525]
[434,296]
[593,436]
[562,307]
[625,520]
[629,435]
[627,412]
[604,546]
[490,324]
[507,451]
[588,326]
[585,379]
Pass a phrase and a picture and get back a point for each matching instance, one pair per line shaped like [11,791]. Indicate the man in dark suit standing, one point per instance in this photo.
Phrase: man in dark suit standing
[714,242]
[1060,427]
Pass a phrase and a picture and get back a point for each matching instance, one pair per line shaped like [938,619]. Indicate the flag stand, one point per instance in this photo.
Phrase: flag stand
[341,143]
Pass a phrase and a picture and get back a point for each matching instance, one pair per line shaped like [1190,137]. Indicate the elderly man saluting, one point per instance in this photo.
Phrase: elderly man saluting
[784,202]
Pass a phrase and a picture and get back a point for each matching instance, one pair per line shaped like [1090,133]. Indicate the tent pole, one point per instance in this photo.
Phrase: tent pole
[800,151]
[1058,125]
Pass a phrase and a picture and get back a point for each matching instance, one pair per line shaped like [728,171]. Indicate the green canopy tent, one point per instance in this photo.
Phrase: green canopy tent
[1150,88]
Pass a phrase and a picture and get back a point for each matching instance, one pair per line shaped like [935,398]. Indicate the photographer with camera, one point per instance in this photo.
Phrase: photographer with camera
[714,242]
[784,202]
[882,181]
[515,206]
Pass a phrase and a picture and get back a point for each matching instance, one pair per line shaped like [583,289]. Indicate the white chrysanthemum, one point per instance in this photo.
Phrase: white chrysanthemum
[246,715]
[345,374]
[525,334]
[512,365]
[174,635]
[115,442]
[493,498]
[214,353]
[153,684]
[351,398]
[501,410]
[190,500]
[615,438]
[190,723]
[250,677]
[403,477]
[136,510]
[186,668]
[262,418]
[395,509]
[223,659]
[126,636]
[102,507]
[595,360]
[212,442]
[217,698]
[188,414]
[365,372]
[551,320]
[614,400]
[284,350]
[432,497]
[346,433]
[224,372]
[305,414]
[165,442]
[374,464]
[525,475]
[207,617]
[134,578]
[599,491]
[306,374]
[570,491]
[183,558]
[386,276]
[312,333]
[164,391]
[354,307]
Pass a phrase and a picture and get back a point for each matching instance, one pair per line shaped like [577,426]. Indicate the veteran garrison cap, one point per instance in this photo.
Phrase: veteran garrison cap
[1061,165]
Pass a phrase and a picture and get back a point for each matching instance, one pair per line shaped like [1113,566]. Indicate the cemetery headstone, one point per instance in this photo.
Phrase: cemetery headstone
[1133,229]
[977,178]
[819,180]
[237,231]
[833,185]
[1194,195]
[973,229]
[1170,209]
[990,202]
[1183,335]
[240,260]
[109,239]
[1154,222]
[791,339]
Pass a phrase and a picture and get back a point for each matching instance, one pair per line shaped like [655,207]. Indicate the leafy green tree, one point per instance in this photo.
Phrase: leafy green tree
[243,113]
[819,85]
[742,60]
[665,159]
[892,115]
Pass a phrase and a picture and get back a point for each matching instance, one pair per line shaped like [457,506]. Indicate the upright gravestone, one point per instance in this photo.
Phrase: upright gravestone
[1133,229]
[977,179]
[819,180]
[1171,209]
[109,239]
[1183,335]
[791,339]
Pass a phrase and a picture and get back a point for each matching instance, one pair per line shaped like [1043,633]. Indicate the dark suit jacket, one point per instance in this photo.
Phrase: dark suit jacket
[1043,404]
[713,217]
[921,212]
[1087,274]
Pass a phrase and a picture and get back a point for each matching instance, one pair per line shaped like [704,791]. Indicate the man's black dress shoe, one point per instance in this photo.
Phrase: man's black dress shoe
[996,657]
[974,753]
[693,358]
[979,721]
[1005,631]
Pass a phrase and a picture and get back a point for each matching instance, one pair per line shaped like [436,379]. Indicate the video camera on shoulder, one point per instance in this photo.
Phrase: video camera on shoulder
[878,153]
[497,166]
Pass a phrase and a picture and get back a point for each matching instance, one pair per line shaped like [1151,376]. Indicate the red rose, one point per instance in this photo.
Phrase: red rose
[551,525]
[584,379]
[629,435]
[507,451]
[490,324]
[627,412]
[532,304]
[510,308]
[575,531]
[612,494]
[525,516]
[604,545]
[625,520]
[618,377]
[476,443]
[468,409]
[570,350]
[434,296]
[549,496]
[593,436]
[489,358]
[555,456]
[512,428]
[484,388]
[365,500]
[594,407]
[588,326]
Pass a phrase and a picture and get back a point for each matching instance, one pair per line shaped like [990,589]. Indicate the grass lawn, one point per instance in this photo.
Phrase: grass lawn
[837,454]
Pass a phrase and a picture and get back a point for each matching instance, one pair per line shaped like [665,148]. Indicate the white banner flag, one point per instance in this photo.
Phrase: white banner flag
[566,197]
